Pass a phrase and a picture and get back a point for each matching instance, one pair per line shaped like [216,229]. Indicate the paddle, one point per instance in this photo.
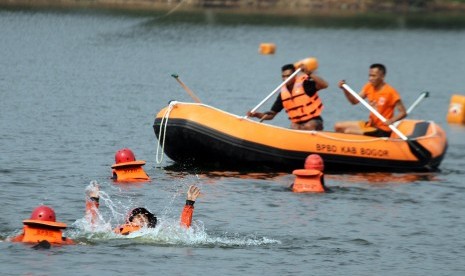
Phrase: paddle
[417,149]
[415,103]
[196,99]
[274,91]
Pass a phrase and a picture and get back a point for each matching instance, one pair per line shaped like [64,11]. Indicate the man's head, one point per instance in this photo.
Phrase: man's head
[376,74]
[142,217]
[286,72]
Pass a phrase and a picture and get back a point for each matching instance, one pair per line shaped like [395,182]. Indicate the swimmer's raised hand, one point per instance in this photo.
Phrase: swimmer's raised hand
[193,193]
[93,190]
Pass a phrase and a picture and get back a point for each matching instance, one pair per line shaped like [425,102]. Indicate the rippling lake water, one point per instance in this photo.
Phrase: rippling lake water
[76,87]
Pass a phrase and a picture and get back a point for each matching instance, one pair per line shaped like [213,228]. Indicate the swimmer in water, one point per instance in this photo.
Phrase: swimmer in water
[140,217]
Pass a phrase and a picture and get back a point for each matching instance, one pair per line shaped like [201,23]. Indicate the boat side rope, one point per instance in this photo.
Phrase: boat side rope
[162,133]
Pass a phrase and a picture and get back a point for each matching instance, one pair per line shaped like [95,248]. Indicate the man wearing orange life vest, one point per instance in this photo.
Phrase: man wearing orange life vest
[43,227]
[139,218]
[300,99]
[383,97]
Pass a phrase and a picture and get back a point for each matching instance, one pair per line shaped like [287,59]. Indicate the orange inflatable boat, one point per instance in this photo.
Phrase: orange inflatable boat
[201,135]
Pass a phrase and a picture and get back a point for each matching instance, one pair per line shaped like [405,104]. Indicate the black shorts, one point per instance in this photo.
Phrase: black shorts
[378,133]
[318,120]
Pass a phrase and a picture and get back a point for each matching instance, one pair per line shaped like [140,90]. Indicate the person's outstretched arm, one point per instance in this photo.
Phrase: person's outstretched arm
[188,211]
[320,83]
[349,96]
[92,201]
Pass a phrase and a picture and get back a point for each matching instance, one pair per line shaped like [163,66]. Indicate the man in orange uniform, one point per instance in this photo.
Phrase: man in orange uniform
[139,218]
[383,97]
[300,99]
[43,228]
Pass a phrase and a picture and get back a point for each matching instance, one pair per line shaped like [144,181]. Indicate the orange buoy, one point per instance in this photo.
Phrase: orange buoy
[309,64]
[127,168]
[456,113]
[267,48]
[42,226]
[308,181]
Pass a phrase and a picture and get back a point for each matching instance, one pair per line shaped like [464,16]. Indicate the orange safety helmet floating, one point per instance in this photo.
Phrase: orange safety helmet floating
[315,162]
[124,155]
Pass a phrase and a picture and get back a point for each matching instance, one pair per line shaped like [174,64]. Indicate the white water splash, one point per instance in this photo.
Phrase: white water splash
[167,232]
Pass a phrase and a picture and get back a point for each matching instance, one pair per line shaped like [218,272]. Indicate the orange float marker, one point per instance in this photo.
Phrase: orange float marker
[127,168]
[42,226]
[456,113]
[310,179]
[267,48]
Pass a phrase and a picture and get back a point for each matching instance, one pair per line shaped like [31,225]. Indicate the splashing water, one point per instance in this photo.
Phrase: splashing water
[167,232]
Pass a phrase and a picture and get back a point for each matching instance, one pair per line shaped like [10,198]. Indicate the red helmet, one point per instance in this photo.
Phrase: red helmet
[43,213]
[124,155]
[314,161]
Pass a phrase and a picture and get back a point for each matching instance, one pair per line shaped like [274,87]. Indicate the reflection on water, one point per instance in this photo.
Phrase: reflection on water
[243,175]
[384,178]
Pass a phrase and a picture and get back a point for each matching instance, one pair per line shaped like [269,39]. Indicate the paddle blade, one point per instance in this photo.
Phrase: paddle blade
[423,155]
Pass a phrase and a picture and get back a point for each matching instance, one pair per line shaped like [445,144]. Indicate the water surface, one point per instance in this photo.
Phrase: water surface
[76,87]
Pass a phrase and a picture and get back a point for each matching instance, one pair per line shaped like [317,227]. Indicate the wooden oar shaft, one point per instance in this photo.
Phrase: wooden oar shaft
[374,111]
[193,96]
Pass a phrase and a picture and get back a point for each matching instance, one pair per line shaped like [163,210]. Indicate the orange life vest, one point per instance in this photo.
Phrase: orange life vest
[37,230]
[129,171]
[308,181]
[299,106]
[126,229]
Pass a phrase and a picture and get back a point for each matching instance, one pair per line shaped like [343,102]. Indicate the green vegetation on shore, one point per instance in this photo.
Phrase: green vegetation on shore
[379,14]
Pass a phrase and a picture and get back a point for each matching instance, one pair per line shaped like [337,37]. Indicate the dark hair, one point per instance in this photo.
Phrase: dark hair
[288,67]
[150,217]
[380,67]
